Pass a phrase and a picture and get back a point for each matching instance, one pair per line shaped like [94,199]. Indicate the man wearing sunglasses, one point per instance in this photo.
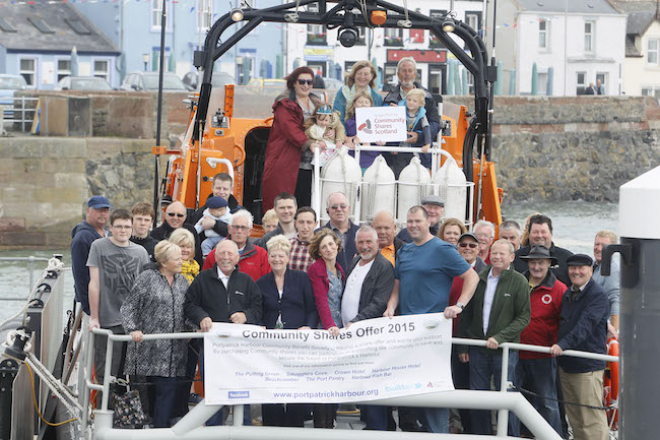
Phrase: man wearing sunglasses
[339,211]
[175,217]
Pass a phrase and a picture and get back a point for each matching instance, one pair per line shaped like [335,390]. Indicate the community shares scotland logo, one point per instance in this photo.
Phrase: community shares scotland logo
[366,127]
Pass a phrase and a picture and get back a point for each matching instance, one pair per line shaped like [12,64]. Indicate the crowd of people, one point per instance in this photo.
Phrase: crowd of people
[518,288]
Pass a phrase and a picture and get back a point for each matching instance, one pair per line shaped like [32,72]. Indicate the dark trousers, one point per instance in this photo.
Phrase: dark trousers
[376,417]
[397,162]
[168,394]
[304,188]
[538,376]
[461,374]
[290,415]
[325,415]
[485,365]
[118,359]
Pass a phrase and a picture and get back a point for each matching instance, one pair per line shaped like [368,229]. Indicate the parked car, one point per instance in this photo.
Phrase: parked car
[261,85]
[148,82]
[9,84]
[193,80]
[332,84]
[83,83]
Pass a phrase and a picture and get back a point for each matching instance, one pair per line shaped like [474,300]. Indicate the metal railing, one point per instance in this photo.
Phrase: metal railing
[12,111]
[31,260]
[501,400]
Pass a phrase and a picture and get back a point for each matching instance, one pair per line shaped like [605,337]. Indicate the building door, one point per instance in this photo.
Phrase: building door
[437,82]
[319,68]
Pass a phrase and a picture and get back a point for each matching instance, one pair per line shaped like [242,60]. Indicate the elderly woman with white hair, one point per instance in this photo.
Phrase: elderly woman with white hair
[288,303]
[159,291]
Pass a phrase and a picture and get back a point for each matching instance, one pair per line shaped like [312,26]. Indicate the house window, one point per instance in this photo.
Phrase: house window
[393,37]
[102,69]
[63,68]
[28,70]
[653,91]
[438,14]
[205,14]
[581,83]
[652,51]
[589,28]
[472,20]
[543,33]
[316,34]
[156,13]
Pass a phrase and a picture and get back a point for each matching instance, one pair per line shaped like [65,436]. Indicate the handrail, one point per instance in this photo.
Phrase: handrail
[30,262]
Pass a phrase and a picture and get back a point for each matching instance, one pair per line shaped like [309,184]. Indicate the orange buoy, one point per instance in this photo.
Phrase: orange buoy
[611,384]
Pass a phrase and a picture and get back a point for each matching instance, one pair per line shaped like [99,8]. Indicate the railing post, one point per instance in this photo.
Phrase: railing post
[503,414]
[107,374]
[31,270]
[238,415]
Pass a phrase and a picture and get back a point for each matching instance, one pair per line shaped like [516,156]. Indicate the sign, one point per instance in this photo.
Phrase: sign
[420,56]
[318,53]
[385,124]
[373,359]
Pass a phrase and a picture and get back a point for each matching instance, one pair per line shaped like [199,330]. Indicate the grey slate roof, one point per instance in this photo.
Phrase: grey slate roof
[63,38]
[570,6]
[631,50]
[639,22]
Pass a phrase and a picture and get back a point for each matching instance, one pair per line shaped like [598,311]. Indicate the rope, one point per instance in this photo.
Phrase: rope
[36,407]
[293,17]
[19,313]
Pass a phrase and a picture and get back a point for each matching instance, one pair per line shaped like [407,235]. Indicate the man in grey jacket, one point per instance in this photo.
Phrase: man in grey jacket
[369,283]
[611,283]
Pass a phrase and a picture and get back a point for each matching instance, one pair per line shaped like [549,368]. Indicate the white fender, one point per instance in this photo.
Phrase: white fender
[341,173]
[413,184]
[378,189]
[452,187]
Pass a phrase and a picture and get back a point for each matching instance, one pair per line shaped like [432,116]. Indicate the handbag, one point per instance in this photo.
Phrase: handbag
[128,409]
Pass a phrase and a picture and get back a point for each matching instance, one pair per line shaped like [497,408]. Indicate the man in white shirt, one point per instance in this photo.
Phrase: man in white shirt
[369,282]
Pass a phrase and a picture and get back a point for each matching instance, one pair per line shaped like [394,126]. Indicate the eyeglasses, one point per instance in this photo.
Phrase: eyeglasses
[342,206]
[470,245]
[240,228]
[126,228]
[302,82]
[172,214]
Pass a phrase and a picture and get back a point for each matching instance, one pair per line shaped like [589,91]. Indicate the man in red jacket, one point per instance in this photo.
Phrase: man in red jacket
[537,372]
[253,259]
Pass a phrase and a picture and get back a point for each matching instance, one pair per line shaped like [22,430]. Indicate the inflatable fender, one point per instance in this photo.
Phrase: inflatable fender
[414,183]
[341,173]
[452,187]
[378,189]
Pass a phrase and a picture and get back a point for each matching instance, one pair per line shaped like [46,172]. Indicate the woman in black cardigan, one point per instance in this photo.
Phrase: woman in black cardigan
[288,303]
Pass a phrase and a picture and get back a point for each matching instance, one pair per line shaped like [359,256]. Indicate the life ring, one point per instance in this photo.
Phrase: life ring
[611,383]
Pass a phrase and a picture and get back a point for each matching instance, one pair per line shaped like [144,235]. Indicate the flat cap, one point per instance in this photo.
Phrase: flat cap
[216,202]
[579,260]
[433,200]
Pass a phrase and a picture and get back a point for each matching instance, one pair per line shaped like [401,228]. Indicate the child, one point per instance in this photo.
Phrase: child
[416,121]
[269,221]
[360,100]
[216,208]
[325,125]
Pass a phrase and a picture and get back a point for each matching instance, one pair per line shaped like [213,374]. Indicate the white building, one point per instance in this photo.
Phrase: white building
[641,71]
[320,49]
[572,42]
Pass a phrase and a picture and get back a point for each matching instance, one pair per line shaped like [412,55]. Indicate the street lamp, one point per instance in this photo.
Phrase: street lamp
[145,60]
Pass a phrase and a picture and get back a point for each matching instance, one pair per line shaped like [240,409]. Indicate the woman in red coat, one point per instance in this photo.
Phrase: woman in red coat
[289,153]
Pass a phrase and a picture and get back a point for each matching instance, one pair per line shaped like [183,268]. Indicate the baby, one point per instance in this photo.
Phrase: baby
[325,126]
[416,120]
[216,208]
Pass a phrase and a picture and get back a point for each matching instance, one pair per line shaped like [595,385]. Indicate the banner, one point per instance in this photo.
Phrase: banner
[373,359]
[384,124]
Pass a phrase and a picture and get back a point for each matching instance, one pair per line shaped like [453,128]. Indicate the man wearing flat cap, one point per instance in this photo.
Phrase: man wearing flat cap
[434,207]
[583,327]
[537,372]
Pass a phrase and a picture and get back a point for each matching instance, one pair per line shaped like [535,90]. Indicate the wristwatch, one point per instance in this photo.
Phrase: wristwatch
[461,305]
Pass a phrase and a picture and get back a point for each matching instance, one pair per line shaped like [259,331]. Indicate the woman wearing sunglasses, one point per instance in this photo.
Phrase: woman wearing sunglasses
[289,152]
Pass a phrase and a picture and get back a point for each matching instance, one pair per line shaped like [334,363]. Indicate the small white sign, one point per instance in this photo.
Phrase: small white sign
[381,124]
[47,72]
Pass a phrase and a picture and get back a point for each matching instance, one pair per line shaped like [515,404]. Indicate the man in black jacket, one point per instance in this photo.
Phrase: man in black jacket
[540,232]
[175,217]
[223,185]
[406,71]
[369,283]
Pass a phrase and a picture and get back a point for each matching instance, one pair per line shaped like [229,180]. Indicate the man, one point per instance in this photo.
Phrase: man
[305,221]
[590,90]
[143,218]
[600,88]
[223,186]
[510,230]
[369,282]
[537,372]
[285,206]
[114,264]
[485,232]
[583,327]
[435,207]
[610,284]
[406,71]
[423,275]
[385,227]
[83,234]
[498,313]
[540,232]
[338,210]
[253,259]
[175,217]
[223,294]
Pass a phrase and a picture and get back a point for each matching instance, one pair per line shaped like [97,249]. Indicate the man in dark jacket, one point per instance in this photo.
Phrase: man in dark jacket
[583,327]
[339,210]
[369,283]
[285,206]
[540,232]
[223,185]
[175,217]
[498,312]
[83,234]
[143,218]
[406,71]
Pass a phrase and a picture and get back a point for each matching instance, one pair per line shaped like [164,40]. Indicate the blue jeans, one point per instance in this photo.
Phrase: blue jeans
[435,420]
[538,376]
[376,417]
[484,365]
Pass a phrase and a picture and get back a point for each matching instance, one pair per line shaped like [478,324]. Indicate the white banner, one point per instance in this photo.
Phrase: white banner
[373,359]
[381,124]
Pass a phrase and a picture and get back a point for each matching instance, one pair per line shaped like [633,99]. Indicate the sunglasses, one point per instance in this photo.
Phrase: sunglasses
[302,82]
[470,245]
[172,214]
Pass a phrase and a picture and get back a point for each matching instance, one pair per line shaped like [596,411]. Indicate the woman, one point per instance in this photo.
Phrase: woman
[159,291]
[289,152]
[362,78]
[327,279]
[288,303]
[186,241]
[451,230]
